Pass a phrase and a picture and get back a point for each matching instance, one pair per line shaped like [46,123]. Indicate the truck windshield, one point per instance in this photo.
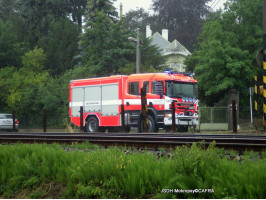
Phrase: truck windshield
[180,90]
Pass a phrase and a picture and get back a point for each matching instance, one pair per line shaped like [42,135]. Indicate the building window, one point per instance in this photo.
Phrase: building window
[133,88]
[176,67]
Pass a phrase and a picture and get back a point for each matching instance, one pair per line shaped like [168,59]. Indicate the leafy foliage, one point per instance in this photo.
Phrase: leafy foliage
[38,16]
[77,10]
[10,48]
[140,19]
[21,86]
[62,46]
[105,6]
[105,46]
[43,47]
[226,51]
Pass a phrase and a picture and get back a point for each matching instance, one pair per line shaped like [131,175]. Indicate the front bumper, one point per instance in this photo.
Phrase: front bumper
[8,127]
[182,120]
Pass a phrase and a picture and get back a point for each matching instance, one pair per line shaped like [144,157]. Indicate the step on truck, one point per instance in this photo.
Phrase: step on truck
[102,100]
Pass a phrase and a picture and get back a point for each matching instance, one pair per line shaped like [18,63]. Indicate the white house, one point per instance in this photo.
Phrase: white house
[175,51]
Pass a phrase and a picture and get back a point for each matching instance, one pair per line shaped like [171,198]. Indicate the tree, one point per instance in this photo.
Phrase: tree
[183,18]
[105,46]
[140,19]
[37,16]
[20,87]
[45,24]
[226,51]
[10,50]
[62,46]
[34,60]
[5,82]
[77,10]
[7,9]
[95,6]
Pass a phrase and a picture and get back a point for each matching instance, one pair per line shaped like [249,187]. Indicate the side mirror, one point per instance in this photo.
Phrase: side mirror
[159,89]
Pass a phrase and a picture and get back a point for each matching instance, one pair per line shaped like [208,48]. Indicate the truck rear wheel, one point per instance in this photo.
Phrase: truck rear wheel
[92,125]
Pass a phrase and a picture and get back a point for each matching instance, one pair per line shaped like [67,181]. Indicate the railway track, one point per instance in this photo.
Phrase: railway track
[155,141]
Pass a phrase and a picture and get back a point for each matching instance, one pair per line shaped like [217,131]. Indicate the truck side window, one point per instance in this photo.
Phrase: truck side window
[147,86]
[153,86]
[133,88]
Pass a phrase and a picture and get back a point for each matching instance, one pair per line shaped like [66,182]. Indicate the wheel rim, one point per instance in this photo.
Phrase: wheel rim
[92,126]
[149,125]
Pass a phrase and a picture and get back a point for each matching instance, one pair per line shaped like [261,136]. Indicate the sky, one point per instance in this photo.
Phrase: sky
[146,4]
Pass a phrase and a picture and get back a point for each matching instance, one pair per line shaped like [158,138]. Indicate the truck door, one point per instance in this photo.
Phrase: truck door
[93,98]
[110,100]
[77,101]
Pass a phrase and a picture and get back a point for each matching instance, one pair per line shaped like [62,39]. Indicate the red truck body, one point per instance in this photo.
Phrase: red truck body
[102,98]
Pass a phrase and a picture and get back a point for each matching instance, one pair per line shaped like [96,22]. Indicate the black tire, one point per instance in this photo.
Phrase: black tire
[127,129]
[151,125]
[168,129]
[92,125]
[182,129]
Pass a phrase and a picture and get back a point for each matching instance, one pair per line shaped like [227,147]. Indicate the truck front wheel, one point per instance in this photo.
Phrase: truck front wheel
[182,129]
[151,125]
[92,125]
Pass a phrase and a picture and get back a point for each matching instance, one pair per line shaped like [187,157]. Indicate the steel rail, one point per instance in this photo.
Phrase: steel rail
[237,142]
[138,134]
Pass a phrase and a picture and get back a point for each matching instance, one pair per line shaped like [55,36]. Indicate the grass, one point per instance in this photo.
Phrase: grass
[85,171]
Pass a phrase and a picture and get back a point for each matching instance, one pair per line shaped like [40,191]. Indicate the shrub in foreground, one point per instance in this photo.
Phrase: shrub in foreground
[80,171]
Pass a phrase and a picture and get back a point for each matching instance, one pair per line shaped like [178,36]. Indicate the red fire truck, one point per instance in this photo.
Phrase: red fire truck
[102,100]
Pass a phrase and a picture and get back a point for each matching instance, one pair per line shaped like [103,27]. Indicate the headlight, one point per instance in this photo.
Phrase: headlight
[168,115]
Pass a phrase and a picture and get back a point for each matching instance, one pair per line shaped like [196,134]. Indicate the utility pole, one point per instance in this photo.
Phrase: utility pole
[264,64]
[138,52]
[121,11]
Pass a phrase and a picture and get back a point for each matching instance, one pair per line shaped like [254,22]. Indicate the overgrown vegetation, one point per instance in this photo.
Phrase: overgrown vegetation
[85,171]
[42,51]
[225,56]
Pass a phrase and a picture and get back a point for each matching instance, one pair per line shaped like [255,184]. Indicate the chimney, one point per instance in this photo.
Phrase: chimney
[148,31]
[165,34]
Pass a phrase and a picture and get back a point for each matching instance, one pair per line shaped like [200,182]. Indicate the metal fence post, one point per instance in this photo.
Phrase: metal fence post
[144,110]
[81,119]
[14,121]
[44,120]
[234,116]
[211,115]
[123,118]
[173,117]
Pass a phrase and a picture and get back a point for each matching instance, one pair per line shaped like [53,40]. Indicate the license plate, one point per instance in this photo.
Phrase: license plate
[7,122]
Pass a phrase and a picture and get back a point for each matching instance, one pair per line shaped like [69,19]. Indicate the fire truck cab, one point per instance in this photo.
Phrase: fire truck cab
[102,98]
